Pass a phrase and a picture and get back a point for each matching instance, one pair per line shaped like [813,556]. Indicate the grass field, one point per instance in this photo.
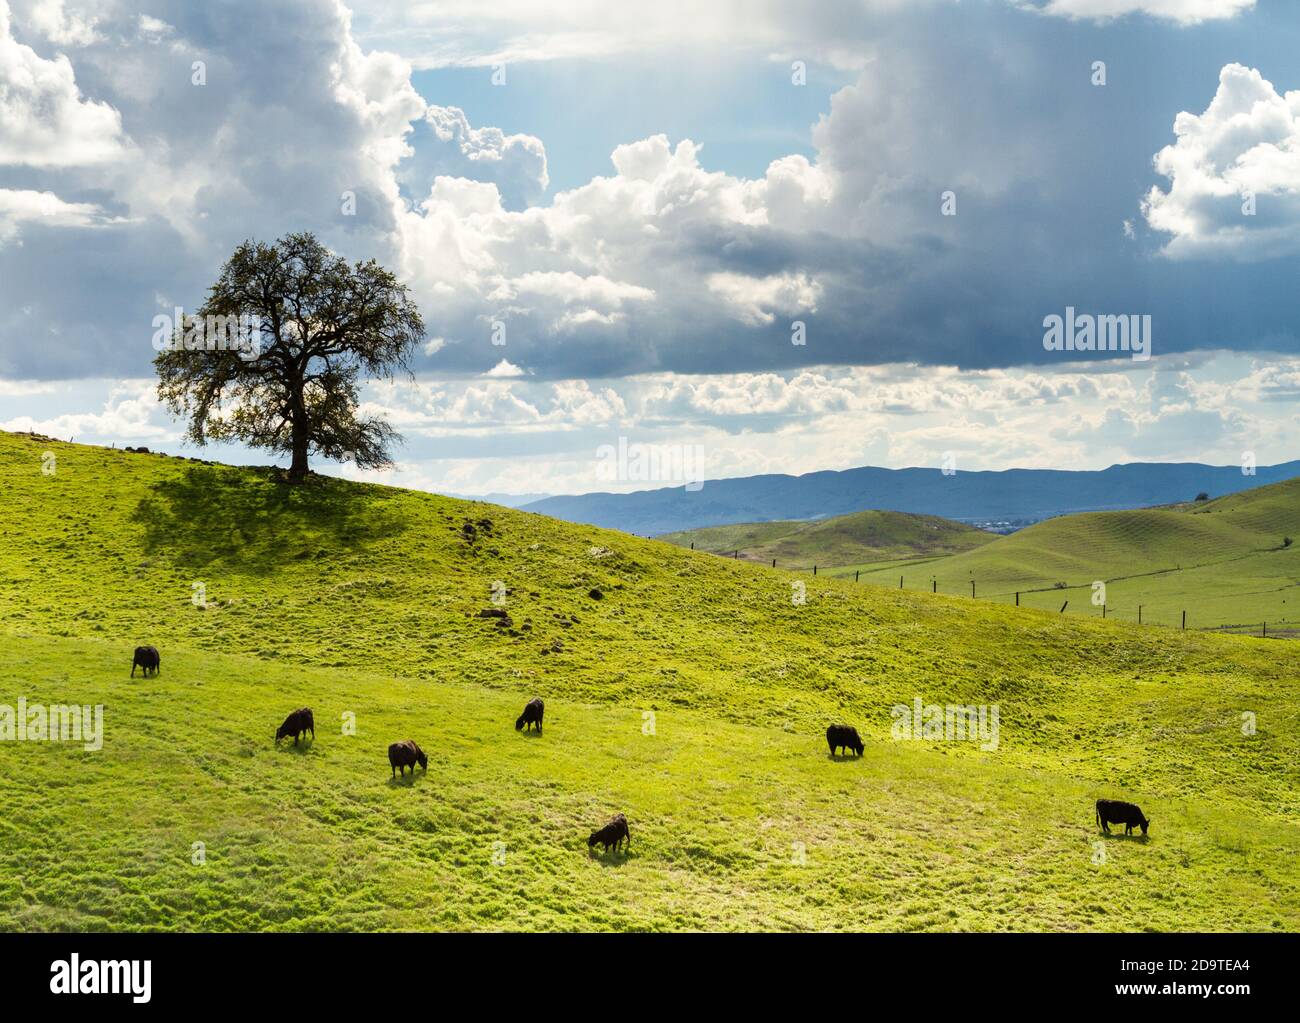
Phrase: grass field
[692,695]
[868,535]
[1224,561]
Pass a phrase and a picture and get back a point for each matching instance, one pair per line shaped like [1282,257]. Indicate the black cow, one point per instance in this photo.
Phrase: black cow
[611,834]
[299,723]
[1114,811]
[146,657]
[404,754]
[843,737]
[532,715]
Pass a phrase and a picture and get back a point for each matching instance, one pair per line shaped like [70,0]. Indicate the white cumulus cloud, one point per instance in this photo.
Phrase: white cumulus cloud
[1184,12]
[1234,174]
[45,121]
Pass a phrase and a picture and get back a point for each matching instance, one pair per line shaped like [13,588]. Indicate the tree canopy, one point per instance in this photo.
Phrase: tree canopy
[311,325]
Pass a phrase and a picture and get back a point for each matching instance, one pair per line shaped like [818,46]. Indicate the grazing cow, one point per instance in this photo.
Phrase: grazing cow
[843,737]
[300,722]
[1114,811]
[146,657]
[532,715]
[404,754]
[611,834]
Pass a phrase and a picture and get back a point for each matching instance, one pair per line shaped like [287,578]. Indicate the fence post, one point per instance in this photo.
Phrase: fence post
[774,562]
[735,555]
[856,574]
[1184,619]
[1103,610]
[692,545]
[1264,633]
[934,585]
[1063,607]
[1017,598]
[1139,614]
[972,588]
[900,582]
[814,569]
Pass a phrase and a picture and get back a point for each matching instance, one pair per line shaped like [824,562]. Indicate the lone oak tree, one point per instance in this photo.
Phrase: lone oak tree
[322,323]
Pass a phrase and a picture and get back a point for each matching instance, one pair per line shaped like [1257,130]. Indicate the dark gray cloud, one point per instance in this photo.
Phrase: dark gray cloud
[660,264]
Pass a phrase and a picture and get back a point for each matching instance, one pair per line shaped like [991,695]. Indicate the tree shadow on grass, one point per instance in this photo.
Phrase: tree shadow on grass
[258,522]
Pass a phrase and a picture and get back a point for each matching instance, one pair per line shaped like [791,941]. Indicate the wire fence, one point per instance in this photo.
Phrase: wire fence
[1279,626]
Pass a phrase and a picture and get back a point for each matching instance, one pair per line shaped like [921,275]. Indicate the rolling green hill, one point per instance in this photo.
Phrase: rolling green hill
[845,539]
[1226,562]
[687,691]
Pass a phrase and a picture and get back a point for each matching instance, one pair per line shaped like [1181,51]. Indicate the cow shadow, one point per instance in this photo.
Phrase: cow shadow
[530,734]
[841,757]
[1137,836]
[405,781]
[255,517]
[301,748]
[613,858]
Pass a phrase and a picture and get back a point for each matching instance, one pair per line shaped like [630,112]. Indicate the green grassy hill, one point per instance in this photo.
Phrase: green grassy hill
[1224,561]
[692,694]
[845,539]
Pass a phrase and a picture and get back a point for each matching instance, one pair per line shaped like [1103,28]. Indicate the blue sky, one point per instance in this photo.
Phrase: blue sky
[649,205]
[743,106]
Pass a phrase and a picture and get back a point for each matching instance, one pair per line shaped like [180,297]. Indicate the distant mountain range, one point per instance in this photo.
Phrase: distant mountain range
[973,497]
[505,500]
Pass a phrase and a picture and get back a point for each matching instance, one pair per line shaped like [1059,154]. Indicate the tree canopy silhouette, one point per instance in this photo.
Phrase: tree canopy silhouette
[318,324]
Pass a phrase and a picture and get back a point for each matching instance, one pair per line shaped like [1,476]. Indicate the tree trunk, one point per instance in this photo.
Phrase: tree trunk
[298,469]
